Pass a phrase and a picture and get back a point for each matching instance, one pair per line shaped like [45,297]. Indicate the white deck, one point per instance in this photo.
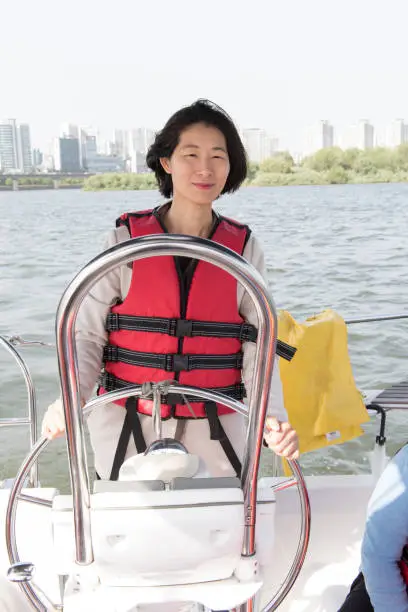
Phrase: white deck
[338,506]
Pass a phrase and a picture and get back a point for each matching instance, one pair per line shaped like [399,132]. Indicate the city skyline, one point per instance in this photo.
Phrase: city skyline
[384,135]
[259,143]
[80,148]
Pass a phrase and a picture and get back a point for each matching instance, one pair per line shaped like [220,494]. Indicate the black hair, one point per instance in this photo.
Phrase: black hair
[201,111]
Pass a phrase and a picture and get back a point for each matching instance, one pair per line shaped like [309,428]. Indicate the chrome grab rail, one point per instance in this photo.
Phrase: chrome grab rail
[31,420]
[135,249]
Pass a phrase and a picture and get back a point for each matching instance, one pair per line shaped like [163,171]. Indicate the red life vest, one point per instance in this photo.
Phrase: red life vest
[403,564]
[165,331]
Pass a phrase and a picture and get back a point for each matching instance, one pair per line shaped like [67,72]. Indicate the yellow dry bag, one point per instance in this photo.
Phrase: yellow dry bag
[321,398]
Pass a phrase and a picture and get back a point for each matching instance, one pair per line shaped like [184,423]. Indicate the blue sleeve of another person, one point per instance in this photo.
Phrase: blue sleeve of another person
[385,535]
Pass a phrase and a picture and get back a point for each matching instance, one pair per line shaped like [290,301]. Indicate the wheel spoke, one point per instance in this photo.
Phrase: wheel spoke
[32,499]
[284,484]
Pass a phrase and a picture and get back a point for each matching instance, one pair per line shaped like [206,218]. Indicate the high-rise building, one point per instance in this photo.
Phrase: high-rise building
[398,133]
[15,147]
[121,143]
[132,145]
[87,142]
[69,130]
[320,136]
[273,145]
[8,146]
[66,155]
[327,135]
[48,164]
[24,152]
[257,144]
[139,141]
[89,149]
[138,163]
[365,135]
[104,146]
[37,158]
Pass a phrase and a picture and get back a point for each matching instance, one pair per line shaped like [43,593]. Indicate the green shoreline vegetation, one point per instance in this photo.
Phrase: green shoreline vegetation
[40,181]
[330,166]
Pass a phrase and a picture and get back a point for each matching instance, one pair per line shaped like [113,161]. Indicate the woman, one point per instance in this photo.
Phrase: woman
[197,157]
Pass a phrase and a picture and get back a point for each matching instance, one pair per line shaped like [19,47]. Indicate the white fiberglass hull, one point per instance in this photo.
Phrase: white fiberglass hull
[338,505]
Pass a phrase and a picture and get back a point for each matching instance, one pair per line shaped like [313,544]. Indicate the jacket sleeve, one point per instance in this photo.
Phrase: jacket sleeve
[254,254]
[386,533]
[90,332]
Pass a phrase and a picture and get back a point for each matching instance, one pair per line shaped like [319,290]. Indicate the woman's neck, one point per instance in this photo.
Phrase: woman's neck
[183,217]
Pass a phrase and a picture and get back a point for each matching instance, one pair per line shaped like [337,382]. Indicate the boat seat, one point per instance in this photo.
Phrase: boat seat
[395,397]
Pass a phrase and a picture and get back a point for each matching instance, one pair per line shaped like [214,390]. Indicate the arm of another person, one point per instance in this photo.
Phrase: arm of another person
[90,335]
[386,533]
[280,436]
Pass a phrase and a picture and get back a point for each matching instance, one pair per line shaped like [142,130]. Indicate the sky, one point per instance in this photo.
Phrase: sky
[128,63]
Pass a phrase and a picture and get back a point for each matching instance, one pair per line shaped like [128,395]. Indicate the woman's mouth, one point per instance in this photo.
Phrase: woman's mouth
[203,186]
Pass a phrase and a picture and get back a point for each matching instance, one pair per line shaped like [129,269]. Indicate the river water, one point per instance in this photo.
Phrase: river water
[342,247]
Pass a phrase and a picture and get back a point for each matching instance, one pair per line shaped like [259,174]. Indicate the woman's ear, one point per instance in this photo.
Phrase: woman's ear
[165,162]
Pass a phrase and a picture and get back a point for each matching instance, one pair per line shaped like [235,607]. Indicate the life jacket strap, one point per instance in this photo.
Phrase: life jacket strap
[131,426]
[181,328]
[217,432]
[172,362]
[112,383]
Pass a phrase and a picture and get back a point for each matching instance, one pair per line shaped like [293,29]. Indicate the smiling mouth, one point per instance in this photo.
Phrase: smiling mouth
[203,185]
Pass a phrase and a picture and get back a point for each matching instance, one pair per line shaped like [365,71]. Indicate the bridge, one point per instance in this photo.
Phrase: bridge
[55,179]
[46,175]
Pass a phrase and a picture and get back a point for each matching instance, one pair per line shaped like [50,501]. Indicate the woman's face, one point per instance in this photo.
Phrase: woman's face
[199,165]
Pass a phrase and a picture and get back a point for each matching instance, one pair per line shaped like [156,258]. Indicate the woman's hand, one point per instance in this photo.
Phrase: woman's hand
[281,438]
[53,425]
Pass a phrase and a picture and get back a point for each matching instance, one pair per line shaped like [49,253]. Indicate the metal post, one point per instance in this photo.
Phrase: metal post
[32,406]
[391,317]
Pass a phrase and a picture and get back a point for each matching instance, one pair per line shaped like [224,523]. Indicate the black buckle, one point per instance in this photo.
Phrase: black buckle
[113,322]
[107,381]
[110,353]
[239,361]
[177,363]
[173,399]
[248,333]
[183,328]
